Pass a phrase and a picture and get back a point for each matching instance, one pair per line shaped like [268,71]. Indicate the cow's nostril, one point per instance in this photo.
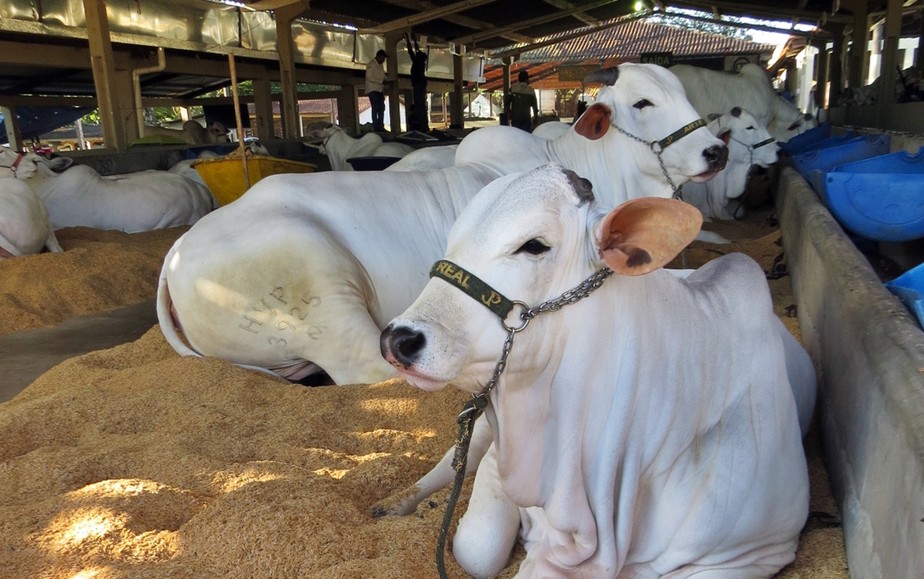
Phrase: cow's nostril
[402,343]
[716,156]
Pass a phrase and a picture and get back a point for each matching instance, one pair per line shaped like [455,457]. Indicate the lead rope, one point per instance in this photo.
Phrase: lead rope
[474,408]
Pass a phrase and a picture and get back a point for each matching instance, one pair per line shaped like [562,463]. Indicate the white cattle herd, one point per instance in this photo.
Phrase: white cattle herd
[650,428]
[303,271]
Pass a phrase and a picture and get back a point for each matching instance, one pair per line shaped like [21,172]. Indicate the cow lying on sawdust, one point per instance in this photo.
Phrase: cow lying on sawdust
[648,429]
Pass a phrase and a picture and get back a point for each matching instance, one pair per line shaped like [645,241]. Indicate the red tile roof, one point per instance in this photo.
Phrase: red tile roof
[620,43]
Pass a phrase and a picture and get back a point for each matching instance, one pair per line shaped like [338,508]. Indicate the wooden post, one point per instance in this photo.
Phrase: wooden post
[859,40]
[889,69]
[102,63]
[13,132]
[237,118]
[836,65]
[455,99]
[263,109]
[285,15]
[391,81]
[821,78]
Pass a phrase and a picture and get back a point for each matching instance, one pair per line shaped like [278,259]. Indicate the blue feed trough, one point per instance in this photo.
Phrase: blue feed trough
[802,142]
[909,288]
[881,198]
[854,149]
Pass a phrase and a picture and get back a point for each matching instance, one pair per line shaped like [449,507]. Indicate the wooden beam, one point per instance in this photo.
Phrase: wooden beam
[472,39]
[271,4]
[459,19]
[576,11]
[425,16]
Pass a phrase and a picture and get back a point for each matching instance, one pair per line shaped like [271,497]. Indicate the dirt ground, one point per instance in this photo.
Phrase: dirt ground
[136,463]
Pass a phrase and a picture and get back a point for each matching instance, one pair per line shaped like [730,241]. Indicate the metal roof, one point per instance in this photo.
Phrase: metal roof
[33,60]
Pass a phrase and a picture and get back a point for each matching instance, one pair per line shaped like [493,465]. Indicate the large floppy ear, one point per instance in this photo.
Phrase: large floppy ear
[644,234]
[594,123]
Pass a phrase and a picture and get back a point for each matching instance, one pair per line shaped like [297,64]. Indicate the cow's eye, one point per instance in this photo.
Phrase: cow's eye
[642,104]
[533,247]
[750,128]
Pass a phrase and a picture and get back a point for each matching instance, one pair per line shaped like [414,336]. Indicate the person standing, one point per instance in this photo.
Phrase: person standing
[375,90]
[520,104]
[419,117]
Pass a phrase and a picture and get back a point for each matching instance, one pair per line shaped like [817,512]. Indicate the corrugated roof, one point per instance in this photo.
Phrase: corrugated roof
[624,42]
[627,40]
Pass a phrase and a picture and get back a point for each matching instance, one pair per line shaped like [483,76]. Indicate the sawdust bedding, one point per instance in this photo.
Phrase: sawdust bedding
[134,462]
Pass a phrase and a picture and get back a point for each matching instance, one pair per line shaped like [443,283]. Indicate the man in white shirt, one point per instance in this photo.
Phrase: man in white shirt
[375,90]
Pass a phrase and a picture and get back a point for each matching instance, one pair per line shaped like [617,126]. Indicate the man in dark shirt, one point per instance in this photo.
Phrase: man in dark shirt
[419,117]
[520,105]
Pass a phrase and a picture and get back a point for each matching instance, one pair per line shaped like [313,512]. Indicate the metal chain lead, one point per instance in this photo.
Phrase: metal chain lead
[476,405]
[657,151]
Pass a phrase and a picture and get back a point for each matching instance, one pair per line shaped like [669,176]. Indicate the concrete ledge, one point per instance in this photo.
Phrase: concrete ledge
[869,353]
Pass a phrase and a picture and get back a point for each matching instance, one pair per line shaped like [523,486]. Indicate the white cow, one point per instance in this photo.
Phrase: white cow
[24,224]
[551,129]
[648,430]
[134,202]
[339,146]
[713,91]
[749,144]
[194,133]
[291,276]
[625,166]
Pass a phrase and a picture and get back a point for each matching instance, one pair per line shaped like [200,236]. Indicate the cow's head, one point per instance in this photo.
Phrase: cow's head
[217,133]
[530,237]
[748,140]
[29,165]
[648,102]
[787,128]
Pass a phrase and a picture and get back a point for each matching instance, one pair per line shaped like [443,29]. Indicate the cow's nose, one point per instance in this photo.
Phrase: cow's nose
[716,156]
[401,346]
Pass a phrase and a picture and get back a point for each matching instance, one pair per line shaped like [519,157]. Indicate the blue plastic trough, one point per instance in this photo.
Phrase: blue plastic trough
[802,142]
[909,288]
[881,198]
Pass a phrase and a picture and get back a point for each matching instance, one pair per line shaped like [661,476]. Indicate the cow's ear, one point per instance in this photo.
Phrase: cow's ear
[594,123]
[725,135]
[59,164]
[644,234]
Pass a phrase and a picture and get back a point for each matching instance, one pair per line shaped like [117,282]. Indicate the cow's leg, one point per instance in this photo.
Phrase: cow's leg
[488,530]
[801,373]
[351,355]
[52,242]
[405,502]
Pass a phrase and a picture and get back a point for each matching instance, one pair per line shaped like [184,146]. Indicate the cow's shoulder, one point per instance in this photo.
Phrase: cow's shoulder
[738,282]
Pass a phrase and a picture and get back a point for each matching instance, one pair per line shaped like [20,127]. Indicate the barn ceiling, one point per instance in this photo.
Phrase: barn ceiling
[35,63]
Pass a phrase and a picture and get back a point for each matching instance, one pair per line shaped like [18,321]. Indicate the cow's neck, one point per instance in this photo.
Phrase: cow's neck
[614,164]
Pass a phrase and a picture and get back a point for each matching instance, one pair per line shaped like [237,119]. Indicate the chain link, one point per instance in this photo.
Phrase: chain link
[476,405]
[657,152]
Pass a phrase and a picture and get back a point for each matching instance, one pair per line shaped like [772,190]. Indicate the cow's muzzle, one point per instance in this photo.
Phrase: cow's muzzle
[716,157]
[401,346]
